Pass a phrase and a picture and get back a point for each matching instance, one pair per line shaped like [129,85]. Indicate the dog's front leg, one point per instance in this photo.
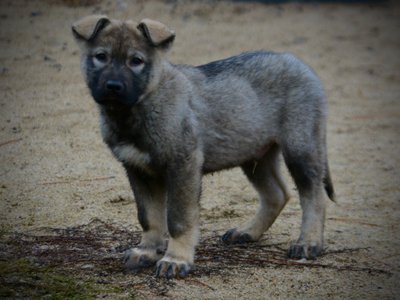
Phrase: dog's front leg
[183,185]
[150,197]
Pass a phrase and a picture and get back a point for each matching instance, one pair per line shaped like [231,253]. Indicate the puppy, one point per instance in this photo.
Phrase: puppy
[170,124]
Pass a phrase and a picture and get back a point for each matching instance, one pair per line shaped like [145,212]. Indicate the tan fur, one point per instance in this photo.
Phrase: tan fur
[156,31]
[87,26]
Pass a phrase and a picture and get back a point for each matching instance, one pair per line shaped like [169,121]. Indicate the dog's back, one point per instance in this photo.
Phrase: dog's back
[246,102]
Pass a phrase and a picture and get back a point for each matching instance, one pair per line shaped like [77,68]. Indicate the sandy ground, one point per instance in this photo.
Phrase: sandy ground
[56,172]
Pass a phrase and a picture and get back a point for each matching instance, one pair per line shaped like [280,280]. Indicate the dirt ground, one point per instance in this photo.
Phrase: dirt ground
[61,190]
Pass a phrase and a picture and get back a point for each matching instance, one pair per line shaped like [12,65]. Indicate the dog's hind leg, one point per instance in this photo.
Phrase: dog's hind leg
[307,171]
[266,178]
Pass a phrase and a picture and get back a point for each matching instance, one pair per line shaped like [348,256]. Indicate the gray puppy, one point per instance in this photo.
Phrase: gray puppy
[170,124]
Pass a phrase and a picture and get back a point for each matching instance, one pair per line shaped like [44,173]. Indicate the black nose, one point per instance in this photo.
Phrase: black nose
[114,86]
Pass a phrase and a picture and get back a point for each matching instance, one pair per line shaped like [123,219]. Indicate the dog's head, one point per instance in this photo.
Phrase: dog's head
[121,60]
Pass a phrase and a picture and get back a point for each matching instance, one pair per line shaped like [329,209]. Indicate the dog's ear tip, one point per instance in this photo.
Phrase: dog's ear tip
[88,27]
[158,34]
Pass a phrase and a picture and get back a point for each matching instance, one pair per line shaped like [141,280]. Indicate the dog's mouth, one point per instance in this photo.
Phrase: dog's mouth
[114,100]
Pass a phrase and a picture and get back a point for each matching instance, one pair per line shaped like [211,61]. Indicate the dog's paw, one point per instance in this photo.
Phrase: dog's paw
[234,236]
[303,250]
[172,268]
[138,258]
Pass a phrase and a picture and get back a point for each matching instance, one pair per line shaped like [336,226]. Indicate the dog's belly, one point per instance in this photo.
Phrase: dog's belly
[219,156]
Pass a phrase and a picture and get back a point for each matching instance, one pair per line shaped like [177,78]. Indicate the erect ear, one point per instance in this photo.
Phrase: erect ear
[87,28]
[156,33]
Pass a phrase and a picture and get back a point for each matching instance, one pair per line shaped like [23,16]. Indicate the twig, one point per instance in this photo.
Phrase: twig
[79,180]
[338,268]
[198,282]
[98,178]
[10,142]
[348,220]
[375,117]
[345,250]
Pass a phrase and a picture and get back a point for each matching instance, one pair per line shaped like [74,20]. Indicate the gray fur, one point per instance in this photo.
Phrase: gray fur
[171,124]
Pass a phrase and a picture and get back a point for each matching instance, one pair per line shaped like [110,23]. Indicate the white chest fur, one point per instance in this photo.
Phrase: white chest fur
[125,152]
[129,154]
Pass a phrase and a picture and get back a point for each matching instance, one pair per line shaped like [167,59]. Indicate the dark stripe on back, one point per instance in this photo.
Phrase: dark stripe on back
[216,67]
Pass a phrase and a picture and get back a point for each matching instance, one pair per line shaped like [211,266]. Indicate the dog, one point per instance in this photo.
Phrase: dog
[171,124]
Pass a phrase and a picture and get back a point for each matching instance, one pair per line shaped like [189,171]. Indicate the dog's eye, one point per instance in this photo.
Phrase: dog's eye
[135,61]
[101,57]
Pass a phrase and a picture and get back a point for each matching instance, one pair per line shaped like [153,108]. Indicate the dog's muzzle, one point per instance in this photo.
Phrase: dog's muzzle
[115,86]
[114,93]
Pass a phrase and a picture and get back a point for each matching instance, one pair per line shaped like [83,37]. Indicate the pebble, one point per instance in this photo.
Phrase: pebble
[87,267]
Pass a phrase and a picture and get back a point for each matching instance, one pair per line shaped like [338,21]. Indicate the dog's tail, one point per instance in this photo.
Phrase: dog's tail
[328,184]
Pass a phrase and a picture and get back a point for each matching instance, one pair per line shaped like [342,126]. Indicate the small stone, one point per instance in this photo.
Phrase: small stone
[87,267]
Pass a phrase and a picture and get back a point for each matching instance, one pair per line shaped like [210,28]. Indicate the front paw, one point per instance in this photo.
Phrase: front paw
[138,258]
[171,268]
[234,236]
[305,250]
